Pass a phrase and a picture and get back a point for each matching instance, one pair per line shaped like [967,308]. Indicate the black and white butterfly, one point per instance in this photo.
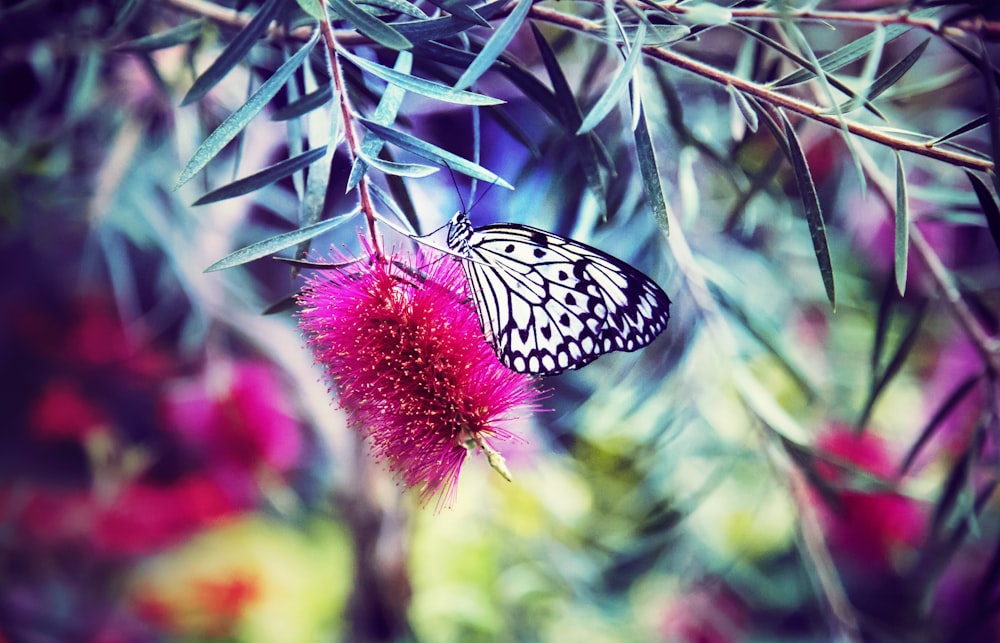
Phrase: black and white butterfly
[548,304]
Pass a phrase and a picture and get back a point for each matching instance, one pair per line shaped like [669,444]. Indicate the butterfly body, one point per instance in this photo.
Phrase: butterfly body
[549,304]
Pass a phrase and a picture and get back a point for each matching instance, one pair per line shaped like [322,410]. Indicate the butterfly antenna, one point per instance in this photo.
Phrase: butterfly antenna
[458,190]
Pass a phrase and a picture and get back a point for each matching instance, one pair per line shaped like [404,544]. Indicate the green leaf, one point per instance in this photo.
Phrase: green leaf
[421,86]
[371,26]
[890,77]
[902,245]
[461,9]
[280,242]
[806,65]
[568,112]
[266,176]
[650,172]
[397,6]
[385,114]
[314,8]
[743,106]
[813,211]
[907,342]
[949,404]
[422,31]
[304,104]
[433,153]
[495,45]
[989,205]
[840,58]
[234,52]
[410,170]
[179,35]
[239,119]
[975,123]
[618,86]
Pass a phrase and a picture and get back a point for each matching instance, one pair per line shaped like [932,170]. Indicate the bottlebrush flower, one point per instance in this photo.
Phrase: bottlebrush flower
[402,344]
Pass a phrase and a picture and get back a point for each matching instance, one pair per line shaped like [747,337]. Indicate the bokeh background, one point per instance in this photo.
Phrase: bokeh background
[173,466]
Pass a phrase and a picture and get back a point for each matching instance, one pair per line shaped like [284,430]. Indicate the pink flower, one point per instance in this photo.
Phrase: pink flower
[867,527]
[139,519]
[237,416]
[403,345]
[706,613]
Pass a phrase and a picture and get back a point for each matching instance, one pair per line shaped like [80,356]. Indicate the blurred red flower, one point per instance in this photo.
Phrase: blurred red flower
[867,527]
[140,518]
[238,417]
[706,613]
[401,342]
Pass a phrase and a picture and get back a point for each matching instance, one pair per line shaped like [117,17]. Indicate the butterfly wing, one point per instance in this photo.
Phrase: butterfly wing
[550,304]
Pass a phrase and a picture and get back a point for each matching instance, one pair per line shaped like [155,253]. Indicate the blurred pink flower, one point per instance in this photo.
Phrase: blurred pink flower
[401,342]
[139,519]
[866,528]
[238,417]
[710,613]
[61,411]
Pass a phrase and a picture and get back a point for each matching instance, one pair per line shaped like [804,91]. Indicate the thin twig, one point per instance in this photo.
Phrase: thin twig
[977,25]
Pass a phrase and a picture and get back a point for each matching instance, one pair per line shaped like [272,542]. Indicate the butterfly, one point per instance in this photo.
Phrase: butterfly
[548,304]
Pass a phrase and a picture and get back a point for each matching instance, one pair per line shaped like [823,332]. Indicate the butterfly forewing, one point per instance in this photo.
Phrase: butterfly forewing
[548,304]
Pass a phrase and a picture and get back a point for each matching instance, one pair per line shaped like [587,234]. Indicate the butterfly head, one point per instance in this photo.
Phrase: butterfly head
[459,233]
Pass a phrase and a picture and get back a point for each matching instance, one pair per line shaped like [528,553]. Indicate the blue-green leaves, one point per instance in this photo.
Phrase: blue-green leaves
[811,207]
[420,86]
[234,52]
[433,153]
[239,119]
[266,176]
[274,244]
[371,26]
[495,46]
[901,249]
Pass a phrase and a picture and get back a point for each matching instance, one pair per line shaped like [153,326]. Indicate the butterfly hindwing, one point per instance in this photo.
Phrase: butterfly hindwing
[549,304]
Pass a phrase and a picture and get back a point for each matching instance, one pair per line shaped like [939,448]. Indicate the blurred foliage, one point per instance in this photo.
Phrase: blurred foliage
[808,453]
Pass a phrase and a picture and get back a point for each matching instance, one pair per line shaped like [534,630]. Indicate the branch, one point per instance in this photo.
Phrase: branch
[977,25]
[762,92]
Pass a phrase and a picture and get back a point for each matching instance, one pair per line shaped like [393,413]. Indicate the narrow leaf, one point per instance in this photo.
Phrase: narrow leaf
[385,114]
[840,58]
[371,26]
[618,86]
[315,265]
[304,104]
[266,176]
[744,108]
[975,123]
[567,111]
[433,153]
[239,119]
[179,35]
[989,205]
[396,6]
[943,412]
[495,45]
[649,171]
[410,170]
[907,342]
[421,86]
[461,10]
[813,211]
[273,244]
[889,77]
[446,26]
[234,52]
[902,245]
